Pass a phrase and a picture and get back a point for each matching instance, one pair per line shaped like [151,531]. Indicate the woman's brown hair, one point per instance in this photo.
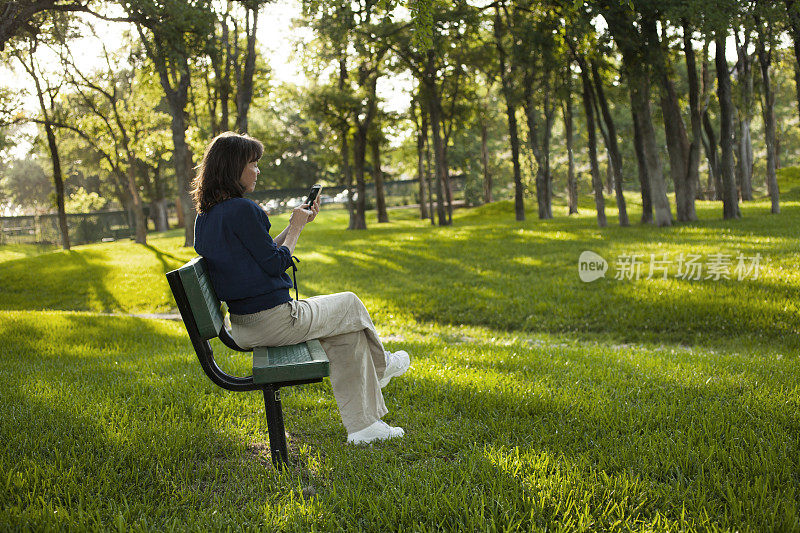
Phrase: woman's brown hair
[223,163]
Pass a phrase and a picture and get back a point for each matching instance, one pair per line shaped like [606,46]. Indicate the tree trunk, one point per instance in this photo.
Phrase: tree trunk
[641,163]
[714,184]
[615,157]
[158,212]
[377,175]
[359,155]
[793,12]
[511,113]
[540,144]
[421,134]
[715,172]
[730,198]
[744,69]
[597,182]
[347,174]
[696,117]
[182,160]
[679,149]
[244,93]
[674,129]
[140,220]
[225,80]
[434,113]
[658,188]
[487,177]
[446,183]
[344,152]
[768,112]
[572,183]
[428,184]
[159,205]
[58,181]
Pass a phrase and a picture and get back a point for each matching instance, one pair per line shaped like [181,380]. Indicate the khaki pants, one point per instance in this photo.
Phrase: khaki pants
[346,333]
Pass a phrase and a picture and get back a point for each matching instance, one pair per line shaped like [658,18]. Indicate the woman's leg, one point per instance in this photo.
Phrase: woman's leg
[346,333]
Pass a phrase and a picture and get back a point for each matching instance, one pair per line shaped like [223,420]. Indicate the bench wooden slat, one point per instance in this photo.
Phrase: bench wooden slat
[304,361]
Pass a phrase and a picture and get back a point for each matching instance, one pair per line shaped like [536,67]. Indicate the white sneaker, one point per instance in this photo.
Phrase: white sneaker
[396,363]
[380,430]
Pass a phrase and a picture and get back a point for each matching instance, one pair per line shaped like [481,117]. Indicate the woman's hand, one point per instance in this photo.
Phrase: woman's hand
[314,209]
[300,217]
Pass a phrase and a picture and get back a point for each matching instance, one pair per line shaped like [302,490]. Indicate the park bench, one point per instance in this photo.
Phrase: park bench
[273,367]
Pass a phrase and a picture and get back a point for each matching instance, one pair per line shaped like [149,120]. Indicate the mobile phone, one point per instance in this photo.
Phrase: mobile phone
[313,195]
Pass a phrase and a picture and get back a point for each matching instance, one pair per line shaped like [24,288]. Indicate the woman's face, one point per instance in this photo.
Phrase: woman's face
[249,176]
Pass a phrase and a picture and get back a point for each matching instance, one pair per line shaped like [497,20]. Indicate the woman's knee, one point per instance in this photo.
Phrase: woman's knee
[352,299]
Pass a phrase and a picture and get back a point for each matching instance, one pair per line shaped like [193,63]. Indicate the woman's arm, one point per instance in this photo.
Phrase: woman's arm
[281,238]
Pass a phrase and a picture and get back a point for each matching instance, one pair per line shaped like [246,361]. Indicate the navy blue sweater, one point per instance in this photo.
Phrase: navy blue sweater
[247,268]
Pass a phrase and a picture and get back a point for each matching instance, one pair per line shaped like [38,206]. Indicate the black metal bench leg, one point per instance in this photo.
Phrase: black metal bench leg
[277,434]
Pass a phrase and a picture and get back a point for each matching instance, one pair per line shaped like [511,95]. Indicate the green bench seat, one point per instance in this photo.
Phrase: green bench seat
[280,364]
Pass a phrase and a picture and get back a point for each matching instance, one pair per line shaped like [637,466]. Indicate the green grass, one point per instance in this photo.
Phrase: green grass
[535,401]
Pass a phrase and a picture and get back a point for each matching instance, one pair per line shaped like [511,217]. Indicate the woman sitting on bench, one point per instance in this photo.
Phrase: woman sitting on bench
[248,271]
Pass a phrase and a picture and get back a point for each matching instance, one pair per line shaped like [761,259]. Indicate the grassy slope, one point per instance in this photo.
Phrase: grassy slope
[486,269]
[563,406]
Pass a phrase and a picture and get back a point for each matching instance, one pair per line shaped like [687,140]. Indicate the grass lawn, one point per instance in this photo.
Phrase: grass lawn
[535,401]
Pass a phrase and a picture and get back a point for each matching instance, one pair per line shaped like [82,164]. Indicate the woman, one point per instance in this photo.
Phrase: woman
[248,271]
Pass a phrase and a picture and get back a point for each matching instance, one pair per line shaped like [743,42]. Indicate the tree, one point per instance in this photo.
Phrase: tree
[765,19]
[507,77]
[632,36]
[678,145]
[744,109]
[588,107]
[24,18]
[46,93]
[615,157]
[231,64]
[793,16]
[108,98]
[730,197]
[356,33]
[172,34]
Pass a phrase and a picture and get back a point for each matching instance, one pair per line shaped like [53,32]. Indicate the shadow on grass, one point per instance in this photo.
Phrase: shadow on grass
[465,283]
[110,418]
[725,451]
[106,410]
[91,279]
[65,280]
[168,261]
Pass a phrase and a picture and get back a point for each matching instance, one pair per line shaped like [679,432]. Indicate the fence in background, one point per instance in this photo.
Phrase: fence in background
[94,227]
[400,192]
[83,228]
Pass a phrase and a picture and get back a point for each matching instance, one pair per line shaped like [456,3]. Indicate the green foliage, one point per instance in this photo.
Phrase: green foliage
[81,201]
[422,15]
[26,182]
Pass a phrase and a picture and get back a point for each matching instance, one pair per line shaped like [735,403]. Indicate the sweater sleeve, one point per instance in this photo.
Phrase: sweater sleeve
[252,229]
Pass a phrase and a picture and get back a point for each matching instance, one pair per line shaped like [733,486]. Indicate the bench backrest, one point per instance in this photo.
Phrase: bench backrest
[201,297]
[200,310]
